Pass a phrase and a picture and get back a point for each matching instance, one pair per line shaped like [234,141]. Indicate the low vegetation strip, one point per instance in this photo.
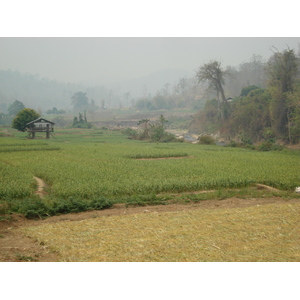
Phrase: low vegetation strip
[24,144]
[25,148]
[257,233]
[156,156]
[36,208]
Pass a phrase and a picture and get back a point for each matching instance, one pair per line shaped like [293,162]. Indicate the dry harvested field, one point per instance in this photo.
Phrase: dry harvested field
[214,230]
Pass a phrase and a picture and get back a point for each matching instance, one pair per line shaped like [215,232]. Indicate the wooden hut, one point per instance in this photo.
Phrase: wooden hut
[40,125]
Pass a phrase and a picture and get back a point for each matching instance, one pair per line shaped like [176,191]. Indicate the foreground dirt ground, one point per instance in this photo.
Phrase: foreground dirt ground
[15,247]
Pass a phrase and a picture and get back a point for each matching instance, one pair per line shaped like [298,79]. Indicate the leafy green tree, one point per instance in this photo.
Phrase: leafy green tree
[81,121]
[282,72]
[15,107]
[80,100]
[246,90]
[293,107]
[250,119]
[23,117]
[157,131]
[162,121]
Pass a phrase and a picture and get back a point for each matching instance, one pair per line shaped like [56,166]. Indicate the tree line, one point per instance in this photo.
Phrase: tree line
[260,112]
[189,93]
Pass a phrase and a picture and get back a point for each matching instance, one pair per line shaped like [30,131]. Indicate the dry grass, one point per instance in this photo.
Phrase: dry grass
[259,233]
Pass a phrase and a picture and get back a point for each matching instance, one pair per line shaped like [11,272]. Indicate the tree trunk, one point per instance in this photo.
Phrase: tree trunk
[222,94]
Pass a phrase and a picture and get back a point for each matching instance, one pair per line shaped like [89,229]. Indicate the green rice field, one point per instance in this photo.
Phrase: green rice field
[91,163]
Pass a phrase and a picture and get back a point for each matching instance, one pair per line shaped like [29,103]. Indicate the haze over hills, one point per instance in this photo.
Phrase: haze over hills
[151,83]
[118,71]
[42,93]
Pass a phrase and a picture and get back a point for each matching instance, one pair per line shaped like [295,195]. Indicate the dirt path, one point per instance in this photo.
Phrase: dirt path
[41,187]
[14,246]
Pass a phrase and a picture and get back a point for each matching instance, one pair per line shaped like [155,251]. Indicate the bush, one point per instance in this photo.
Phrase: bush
[33,208]
[100,203]
[169,137]
[232,143]
[64,206]
[248,146]
[206,140]
[142,200]
[132,133]
[269,146]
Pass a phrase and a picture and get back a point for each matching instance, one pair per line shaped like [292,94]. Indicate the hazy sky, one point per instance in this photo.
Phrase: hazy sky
[107,54]
[105,60]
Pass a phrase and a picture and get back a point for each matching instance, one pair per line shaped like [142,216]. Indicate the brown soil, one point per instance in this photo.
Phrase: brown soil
[16,247]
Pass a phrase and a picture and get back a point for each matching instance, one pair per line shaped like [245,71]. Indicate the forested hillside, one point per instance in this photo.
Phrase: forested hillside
[42,93]
[266,108]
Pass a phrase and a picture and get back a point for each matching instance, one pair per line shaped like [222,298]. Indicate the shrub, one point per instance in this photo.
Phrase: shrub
[269,146]
[206,140]
[32,208]
[248,146]
[246,141]
[169,137]
[132,133]
[64,206]
[232,143]
[142,200]
[100,203]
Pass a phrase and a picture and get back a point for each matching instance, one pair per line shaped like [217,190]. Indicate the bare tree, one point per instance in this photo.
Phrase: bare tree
[215,76]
